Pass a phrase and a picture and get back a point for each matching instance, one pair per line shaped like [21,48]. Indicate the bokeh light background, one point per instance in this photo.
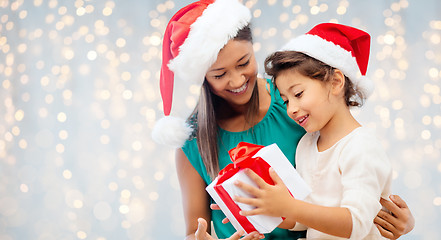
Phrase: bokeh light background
[79,96]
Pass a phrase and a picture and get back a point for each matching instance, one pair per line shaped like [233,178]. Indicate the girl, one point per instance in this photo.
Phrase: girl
[340,160]
[201,48]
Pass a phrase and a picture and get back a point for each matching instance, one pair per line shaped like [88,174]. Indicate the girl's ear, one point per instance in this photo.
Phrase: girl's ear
[338,82]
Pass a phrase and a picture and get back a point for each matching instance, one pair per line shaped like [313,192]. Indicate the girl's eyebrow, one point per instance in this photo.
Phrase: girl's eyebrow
[293,86]
[217,69]
[289,88]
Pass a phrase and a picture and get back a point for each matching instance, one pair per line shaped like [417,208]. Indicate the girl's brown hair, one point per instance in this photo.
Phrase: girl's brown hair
[206,114]
[310,67]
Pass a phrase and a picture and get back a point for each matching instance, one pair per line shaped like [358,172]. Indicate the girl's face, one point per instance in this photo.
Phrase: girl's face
[309,101]
[234,74]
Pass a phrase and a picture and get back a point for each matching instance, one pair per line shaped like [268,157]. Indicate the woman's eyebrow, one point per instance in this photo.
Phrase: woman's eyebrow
[242,57]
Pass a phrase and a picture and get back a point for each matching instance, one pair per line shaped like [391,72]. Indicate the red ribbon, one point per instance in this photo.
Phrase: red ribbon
[242,159]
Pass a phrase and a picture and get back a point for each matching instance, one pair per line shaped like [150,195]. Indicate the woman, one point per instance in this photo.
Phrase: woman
[208,43]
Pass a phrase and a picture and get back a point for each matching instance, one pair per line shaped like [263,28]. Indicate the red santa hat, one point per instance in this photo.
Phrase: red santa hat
[192,40]
[339,46]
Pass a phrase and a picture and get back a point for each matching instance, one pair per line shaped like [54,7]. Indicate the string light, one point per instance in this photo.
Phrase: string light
[79,95]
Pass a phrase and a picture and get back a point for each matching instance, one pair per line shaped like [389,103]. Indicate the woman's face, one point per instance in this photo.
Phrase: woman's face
[234,74]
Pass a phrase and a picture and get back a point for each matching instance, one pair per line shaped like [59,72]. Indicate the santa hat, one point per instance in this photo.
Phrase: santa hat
[339,46]
[192,40]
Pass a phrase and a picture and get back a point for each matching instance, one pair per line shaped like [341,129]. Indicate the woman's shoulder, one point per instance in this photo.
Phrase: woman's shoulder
[265,98]
[266,85]
[275,117]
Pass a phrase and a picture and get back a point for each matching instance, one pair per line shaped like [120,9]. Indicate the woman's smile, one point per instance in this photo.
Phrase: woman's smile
[240,90]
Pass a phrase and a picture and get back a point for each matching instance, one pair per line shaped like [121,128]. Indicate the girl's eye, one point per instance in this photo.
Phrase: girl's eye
[299,94]
[285,102]
[244,64]
[219,76]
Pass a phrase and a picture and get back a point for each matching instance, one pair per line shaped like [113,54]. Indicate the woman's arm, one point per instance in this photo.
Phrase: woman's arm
[195,199]
[196,203]
[399,221]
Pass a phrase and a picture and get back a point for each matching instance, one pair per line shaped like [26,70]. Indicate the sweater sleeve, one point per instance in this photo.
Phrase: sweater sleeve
[366,175]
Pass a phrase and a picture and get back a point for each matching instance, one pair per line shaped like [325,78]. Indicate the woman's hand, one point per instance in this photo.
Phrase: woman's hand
[201,233]
[398,221]
[214,206]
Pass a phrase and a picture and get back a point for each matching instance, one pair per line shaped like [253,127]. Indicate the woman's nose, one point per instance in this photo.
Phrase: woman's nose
[237,79]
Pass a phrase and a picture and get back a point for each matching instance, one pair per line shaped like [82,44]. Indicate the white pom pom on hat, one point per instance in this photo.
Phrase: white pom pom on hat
[192,40]
[340,46]
[172,131]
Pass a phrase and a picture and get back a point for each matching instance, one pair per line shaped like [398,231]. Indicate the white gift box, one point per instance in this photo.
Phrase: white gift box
[263,224]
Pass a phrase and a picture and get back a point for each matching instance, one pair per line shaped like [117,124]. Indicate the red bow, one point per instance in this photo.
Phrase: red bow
[242,159]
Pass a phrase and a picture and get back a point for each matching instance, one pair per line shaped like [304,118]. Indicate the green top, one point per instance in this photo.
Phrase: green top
[275,127]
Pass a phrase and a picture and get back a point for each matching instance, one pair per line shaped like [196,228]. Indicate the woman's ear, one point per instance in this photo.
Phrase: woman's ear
[338,82]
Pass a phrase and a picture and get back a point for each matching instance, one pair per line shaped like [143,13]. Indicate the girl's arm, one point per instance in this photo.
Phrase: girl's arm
[196,203]
[275,200]
[335,221]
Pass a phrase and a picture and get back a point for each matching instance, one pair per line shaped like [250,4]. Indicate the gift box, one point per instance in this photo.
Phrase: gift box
[259,159]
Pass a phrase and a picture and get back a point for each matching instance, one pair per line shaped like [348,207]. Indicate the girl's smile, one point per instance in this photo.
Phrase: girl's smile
[302,120]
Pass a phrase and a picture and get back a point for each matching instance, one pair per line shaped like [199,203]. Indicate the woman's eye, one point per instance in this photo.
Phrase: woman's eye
[219,76]
[285,102]
[299,94]
[244,64]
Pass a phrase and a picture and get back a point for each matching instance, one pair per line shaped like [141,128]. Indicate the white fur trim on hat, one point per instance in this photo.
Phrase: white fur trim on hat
[172,131]
[333,55]
[365,85]
[219,23]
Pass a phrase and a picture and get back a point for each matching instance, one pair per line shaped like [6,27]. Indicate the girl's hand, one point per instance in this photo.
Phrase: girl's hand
[270,200]
[286,224]
[396,223]
[201,233]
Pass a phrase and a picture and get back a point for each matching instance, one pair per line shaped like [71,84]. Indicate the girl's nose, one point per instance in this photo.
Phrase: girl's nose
[292,110]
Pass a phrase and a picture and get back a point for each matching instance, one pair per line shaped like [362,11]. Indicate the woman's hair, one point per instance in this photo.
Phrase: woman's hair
[206,115]
[310,67]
